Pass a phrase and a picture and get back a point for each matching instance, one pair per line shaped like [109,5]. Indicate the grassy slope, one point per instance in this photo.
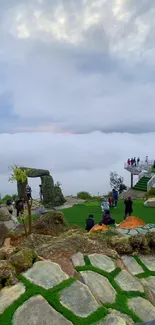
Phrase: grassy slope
[78,213]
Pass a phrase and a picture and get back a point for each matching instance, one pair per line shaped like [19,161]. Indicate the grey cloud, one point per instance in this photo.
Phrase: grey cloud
[79,86]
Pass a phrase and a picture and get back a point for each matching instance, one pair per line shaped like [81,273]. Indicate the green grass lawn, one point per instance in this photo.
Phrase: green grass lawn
[78,213]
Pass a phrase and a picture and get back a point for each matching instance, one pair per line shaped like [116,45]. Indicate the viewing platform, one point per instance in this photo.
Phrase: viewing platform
[146,175]
[142,166]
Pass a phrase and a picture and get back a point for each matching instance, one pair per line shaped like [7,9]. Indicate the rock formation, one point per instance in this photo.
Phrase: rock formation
[51,196]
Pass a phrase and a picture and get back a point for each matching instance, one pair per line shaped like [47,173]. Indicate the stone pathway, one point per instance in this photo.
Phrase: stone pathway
[105,295]
[137,231]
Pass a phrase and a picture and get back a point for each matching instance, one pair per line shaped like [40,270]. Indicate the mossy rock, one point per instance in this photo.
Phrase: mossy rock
[140,243]
[7,274]
[51,223]
[121,244]
[3,232]
[33,172]
[23,259]
[4,215]
[150,236]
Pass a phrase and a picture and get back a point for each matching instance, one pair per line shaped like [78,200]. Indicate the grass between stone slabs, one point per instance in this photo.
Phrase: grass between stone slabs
[147,272]
[121,303]
[52,296]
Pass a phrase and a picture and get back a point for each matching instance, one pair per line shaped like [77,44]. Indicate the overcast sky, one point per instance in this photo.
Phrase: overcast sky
[77,82]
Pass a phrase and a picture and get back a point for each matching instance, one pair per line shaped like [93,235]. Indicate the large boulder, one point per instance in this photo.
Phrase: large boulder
[3,232]
[4,214]
[5,228]
[68,244]
[23,259]
[58,196]
[150,202]
[36,240]
[51,223]
[140,243]
[7,274]
[121,244]
[150,236]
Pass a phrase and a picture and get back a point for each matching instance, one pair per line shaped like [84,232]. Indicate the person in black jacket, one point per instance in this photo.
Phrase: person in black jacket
[128,207]
[90,222]
[19,207]
[107,219]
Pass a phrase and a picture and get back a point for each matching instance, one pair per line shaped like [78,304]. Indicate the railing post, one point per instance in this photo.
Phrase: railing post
[131,180]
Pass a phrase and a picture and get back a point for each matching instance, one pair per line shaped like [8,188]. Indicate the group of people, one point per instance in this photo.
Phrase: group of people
[133,162]
[19,204]
[111,202]
[106,217]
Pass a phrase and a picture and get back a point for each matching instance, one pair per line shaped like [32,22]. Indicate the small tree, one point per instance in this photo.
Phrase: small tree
[84,195]
[117,182]
[20,175]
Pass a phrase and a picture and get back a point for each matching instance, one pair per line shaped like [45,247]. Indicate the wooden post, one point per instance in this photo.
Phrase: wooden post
[131,180]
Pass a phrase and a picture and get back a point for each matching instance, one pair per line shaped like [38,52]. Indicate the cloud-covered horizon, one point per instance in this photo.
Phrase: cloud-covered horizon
[78,162]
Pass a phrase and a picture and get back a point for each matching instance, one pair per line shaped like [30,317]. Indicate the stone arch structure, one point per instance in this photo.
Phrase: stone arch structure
[48,188]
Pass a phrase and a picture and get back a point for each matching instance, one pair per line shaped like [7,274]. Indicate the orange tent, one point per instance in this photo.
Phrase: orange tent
[99,228]
[131,223]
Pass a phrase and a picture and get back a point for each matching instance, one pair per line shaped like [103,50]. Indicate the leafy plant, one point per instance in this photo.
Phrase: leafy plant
[20,175]
[116,182]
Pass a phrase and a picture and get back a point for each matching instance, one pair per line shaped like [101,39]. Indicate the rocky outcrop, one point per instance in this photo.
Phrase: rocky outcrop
[23,259]
[51,223]
[3,232]
[150,203]
[4,214]
[7,274]
[69,243]
[121,244]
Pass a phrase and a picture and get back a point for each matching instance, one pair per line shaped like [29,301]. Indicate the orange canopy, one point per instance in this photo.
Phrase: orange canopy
[131,223]
[99,228]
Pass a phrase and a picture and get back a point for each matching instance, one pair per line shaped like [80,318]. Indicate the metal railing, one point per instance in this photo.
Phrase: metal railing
[142,164]
[150,183]
[142,174]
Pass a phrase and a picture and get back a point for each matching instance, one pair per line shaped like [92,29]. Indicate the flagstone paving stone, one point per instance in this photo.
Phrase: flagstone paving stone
[132,265]
[143,308]
[127,282]
[99,286]
[102,262]
[78,259]
[112,320]
[46,274]
[9,295]
[149,262]
[37,311]
[79,299]
[150,282]
[128,319]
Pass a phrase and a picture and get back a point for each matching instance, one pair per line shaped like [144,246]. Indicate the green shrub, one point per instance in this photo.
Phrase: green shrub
[7,196]
[84,195]
[150,193]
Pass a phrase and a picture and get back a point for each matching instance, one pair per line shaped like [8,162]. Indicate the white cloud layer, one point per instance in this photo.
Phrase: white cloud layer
[79,162]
